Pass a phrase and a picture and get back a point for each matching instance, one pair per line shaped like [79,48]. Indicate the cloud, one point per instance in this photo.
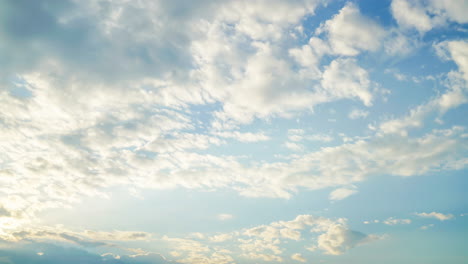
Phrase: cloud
[457,52]
[98,95]
[243,137]
[454,96]
[395,221]
[4,212]
[294,146]
[343,78]
[341,193]
[196,252]
[335,238]
[268,242]
[338,239]
[451,10]
[250,16]
[224,217]
[358,113]
[53,254]
[298,257]
[349,32]
[425,15]
[425,227]
[411,15]
[435,215]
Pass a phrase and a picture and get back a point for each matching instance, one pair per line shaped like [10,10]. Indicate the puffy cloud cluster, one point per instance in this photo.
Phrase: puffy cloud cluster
[100,93]
[266,242]
[349,32]
[425,15]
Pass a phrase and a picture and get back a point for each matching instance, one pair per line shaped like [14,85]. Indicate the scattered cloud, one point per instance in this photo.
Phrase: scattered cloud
[224,217]
[298,257]
[411,14]
[425,15]
[342,193]
[396,221]
[358,113]
[435,215]
[349,32]
[99,95]
[425,227]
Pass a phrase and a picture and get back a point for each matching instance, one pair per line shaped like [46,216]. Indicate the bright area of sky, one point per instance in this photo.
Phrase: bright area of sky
[250,131]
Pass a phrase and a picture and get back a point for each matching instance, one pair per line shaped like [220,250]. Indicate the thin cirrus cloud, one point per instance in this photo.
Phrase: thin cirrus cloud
[189,103]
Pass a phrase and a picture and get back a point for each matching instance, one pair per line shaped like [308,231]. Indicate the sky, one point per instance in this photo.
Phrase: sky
[233,131]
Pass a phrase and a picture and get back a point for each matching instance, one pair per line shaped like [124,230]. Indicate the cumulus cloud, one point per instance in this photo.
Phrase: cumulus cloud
[343,78]
[335,237]
[349,32]
[129,111]
[425,15]
[268,242]
[411,14]
[338,239]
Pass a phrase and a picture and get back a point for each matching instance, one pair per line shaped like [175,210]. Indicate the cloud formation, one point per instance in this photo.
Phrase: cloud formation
[436,215]
[260,98]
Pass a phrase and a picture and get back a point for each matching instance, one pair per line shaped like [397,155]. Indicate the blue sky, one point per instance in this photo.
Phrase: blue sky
[301,131]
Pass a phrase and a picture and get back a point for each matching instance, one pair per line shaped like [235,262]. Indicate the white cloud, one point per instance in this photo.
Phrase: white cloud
[425,227]
[349,32]
[293,146]
[338,239]
[108,101]
[319,137]
[309,56]
[435,215]
[298,257]
[458,53]
[425,15]
[296,134]
[358,113]
[398,43]
[224,217]
[452,10]
[396,221]
[261,20]
[243,137]
[343,78]
[341,193]
[454,96]
[411,14]
[221,237]
[335,238]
